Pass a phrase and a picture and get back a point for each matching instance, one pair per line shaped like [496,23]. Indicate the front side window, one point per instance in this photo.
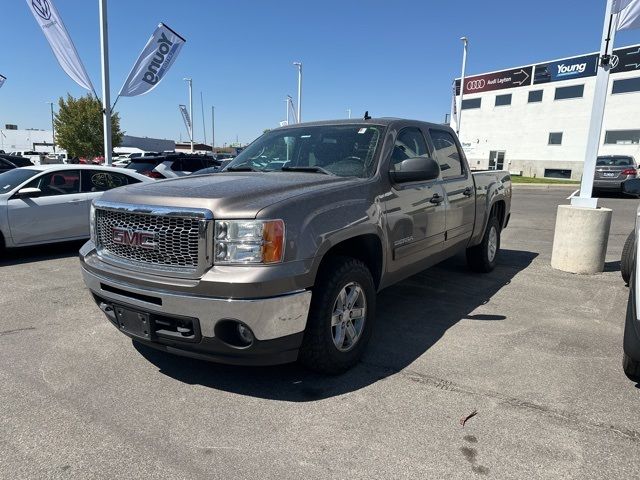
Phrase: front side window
[63,182]
[447,154]
[343,150]
[409,144]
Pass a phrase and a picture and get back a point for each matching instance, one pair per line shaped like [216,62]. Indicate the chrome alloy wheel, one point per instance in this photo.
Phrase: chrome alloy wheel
[348,317]
[492,245]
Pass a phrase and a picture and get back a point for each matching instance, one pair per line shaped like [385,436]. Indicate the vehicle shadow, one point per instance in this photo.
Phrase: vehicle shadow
[412,316]
[39,253]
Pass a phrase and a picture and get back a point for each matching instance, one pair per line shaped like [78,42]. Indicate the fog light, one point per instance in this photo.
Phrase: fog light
[245,334]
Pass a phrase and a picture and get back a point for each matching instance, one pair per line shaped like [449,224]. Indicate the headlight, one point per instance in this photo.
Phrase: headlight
[248,241]
[92,223]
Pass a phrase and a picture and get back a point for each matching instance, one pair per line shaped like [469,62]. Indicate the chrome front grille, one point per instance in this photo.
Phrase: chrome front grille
[177,241]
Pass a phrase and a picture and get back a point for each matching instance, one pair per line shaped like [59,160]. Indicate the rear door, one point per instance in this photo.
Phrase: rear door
[415,212]
[458,186]
[58,214]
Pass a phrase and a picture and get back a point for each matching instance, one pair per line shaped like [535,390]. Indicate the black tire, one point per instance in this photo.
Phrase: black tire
[318,351]
[478,257]
[626,261]
[631,338]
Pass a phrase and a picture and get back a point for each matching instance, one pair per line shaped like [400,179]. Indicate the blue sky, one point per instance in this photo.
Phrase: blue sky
[393,58]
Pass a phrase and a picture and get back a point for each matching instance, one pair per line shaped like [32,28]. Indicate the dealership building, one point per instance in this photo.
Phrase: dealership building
[533,120]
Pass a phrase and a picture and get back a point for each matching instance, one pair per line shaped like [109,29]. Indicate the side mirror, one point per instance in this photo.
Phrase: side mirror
[28,193]
[631,187]
[417,169]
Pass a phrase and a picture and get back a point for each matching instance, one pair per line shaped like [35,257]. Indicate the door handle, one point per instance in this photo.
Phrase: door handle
[468,192]
[76,200]
[437,199]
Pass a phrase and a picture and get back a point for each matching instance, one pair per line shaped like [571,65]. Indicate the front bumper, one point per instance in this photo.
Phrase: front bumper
[277,322]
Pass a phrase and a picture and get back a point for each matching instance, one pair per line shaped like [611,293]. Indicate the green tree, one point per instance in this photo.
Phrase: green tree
[79,127]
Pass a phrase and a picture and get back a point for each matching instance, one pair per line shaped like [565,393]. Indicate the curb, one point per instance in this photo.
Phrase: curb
[546,185]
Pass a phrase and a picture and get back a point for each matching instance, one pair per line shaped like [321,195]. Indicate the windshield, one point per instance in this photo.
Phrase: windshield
[11,179]
[615,161]
[343,150]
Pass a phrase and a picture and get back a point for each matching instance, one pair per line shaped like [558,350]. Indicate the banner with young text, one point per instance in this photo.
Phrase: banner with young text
[56,34]
[153,63]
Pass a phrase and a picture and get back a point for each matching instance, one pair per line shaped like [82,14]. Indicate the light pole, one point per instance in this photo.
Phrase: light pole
[190,82]
[299,114]
[465,43]
[106,97]
[349,113]
[213,128]
[53,128]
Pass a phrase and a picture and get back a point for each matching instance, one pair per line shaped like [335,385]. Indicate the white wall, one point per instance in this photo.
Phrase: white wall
[11,140]
[522,129]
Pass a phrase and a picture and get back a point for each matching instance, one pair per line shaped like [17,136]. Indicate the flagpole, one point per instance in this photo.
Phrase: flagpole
[597,111]
[106,101]
[465,42]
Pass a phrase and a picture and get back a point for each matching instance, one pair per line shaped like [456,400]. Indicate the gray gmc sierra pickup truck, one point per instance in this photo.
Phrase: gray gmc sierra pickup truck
[280,256]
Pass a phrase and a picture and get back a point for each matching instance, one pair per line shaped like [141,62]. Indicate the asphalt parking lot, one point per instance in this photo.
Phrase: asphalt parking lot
[536,352]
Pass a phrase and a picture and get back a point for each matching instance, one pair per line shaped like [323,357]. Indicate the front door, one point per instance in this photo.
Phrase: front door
[58,214]
[415,212]
[496,159]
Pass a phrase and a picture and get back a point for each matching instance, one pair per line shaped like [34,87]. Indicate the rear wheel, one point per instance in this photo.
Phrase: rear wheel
[340,318]
[483,257]
[626,261]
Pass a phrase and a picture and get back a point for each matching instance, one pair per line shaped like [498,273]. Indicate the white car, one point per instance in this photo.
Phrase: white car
[47,204]
[38,158]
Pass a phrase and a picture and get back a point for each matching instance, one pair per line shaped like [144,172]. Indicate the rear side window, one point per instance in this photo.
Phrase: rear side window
[102,180]
[447,154]
[409,144]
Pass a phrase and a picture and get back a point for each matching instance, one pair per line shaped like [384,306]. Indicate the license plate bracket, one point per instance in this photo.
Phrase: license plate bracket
[133,322]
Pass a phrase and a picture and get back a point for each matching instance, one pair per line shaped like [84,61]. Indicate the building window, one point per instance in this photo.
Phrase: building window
[557,173]
[573,91]
[535,96]
[471,103]
[627,85]
[555,138]
[503,100]
[622,137]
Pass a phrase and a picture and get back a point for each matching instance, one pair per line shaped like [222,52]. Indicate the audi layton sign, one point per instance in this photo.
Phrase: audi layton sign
[517,77]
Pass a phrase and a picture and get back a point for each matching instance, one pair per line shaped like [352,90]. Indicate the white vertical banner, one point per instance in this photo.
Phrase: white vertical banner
[153,63]
[2,80]
[56,34]
[453,118]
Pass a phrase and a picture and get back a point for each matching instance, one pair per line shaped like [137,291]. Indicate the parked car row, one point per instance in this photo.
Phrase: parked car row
[172,165]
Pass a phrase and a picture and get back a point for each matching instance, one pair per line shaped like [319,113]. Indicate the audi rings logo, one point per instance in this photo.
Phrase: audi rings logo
[42,8]
[476,84]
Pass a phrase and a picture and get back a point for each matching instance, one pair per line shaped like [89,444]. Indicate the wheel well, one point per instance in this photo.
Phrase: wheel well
[498,210]
[366,248]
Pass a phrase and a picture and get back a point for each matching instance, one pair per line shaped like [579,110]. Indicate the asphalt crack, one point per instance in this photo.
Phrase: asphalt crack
[17,330]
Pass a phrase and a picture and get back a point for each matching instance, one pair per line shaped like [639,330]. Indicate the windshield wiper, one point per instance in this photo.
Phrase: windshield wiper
[242,168]
[307,169]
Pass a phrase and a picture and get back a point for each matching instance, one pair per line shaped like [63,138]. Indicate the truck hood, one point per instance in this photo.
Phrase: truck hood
[228,195]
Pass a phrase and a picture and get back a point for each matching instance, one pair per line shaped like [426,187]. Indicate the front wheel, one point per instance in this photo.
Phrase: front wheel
[483,257]
[340,318]
[626,261]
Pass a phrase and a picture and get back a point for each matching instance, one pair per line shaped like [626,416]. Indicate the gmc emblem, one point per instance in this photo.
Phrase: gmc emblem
[134,238]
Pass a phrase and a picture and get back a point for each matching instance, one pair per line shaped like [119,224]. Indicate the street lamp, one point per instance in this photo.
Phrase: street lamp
[213,128]
[465,43]
[349,113]
[299,114]
[190,82]
[53,128]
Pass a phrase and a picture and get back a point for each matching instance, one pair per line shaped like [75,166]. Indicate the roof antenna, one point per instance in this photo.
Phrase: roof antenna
[366,115]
